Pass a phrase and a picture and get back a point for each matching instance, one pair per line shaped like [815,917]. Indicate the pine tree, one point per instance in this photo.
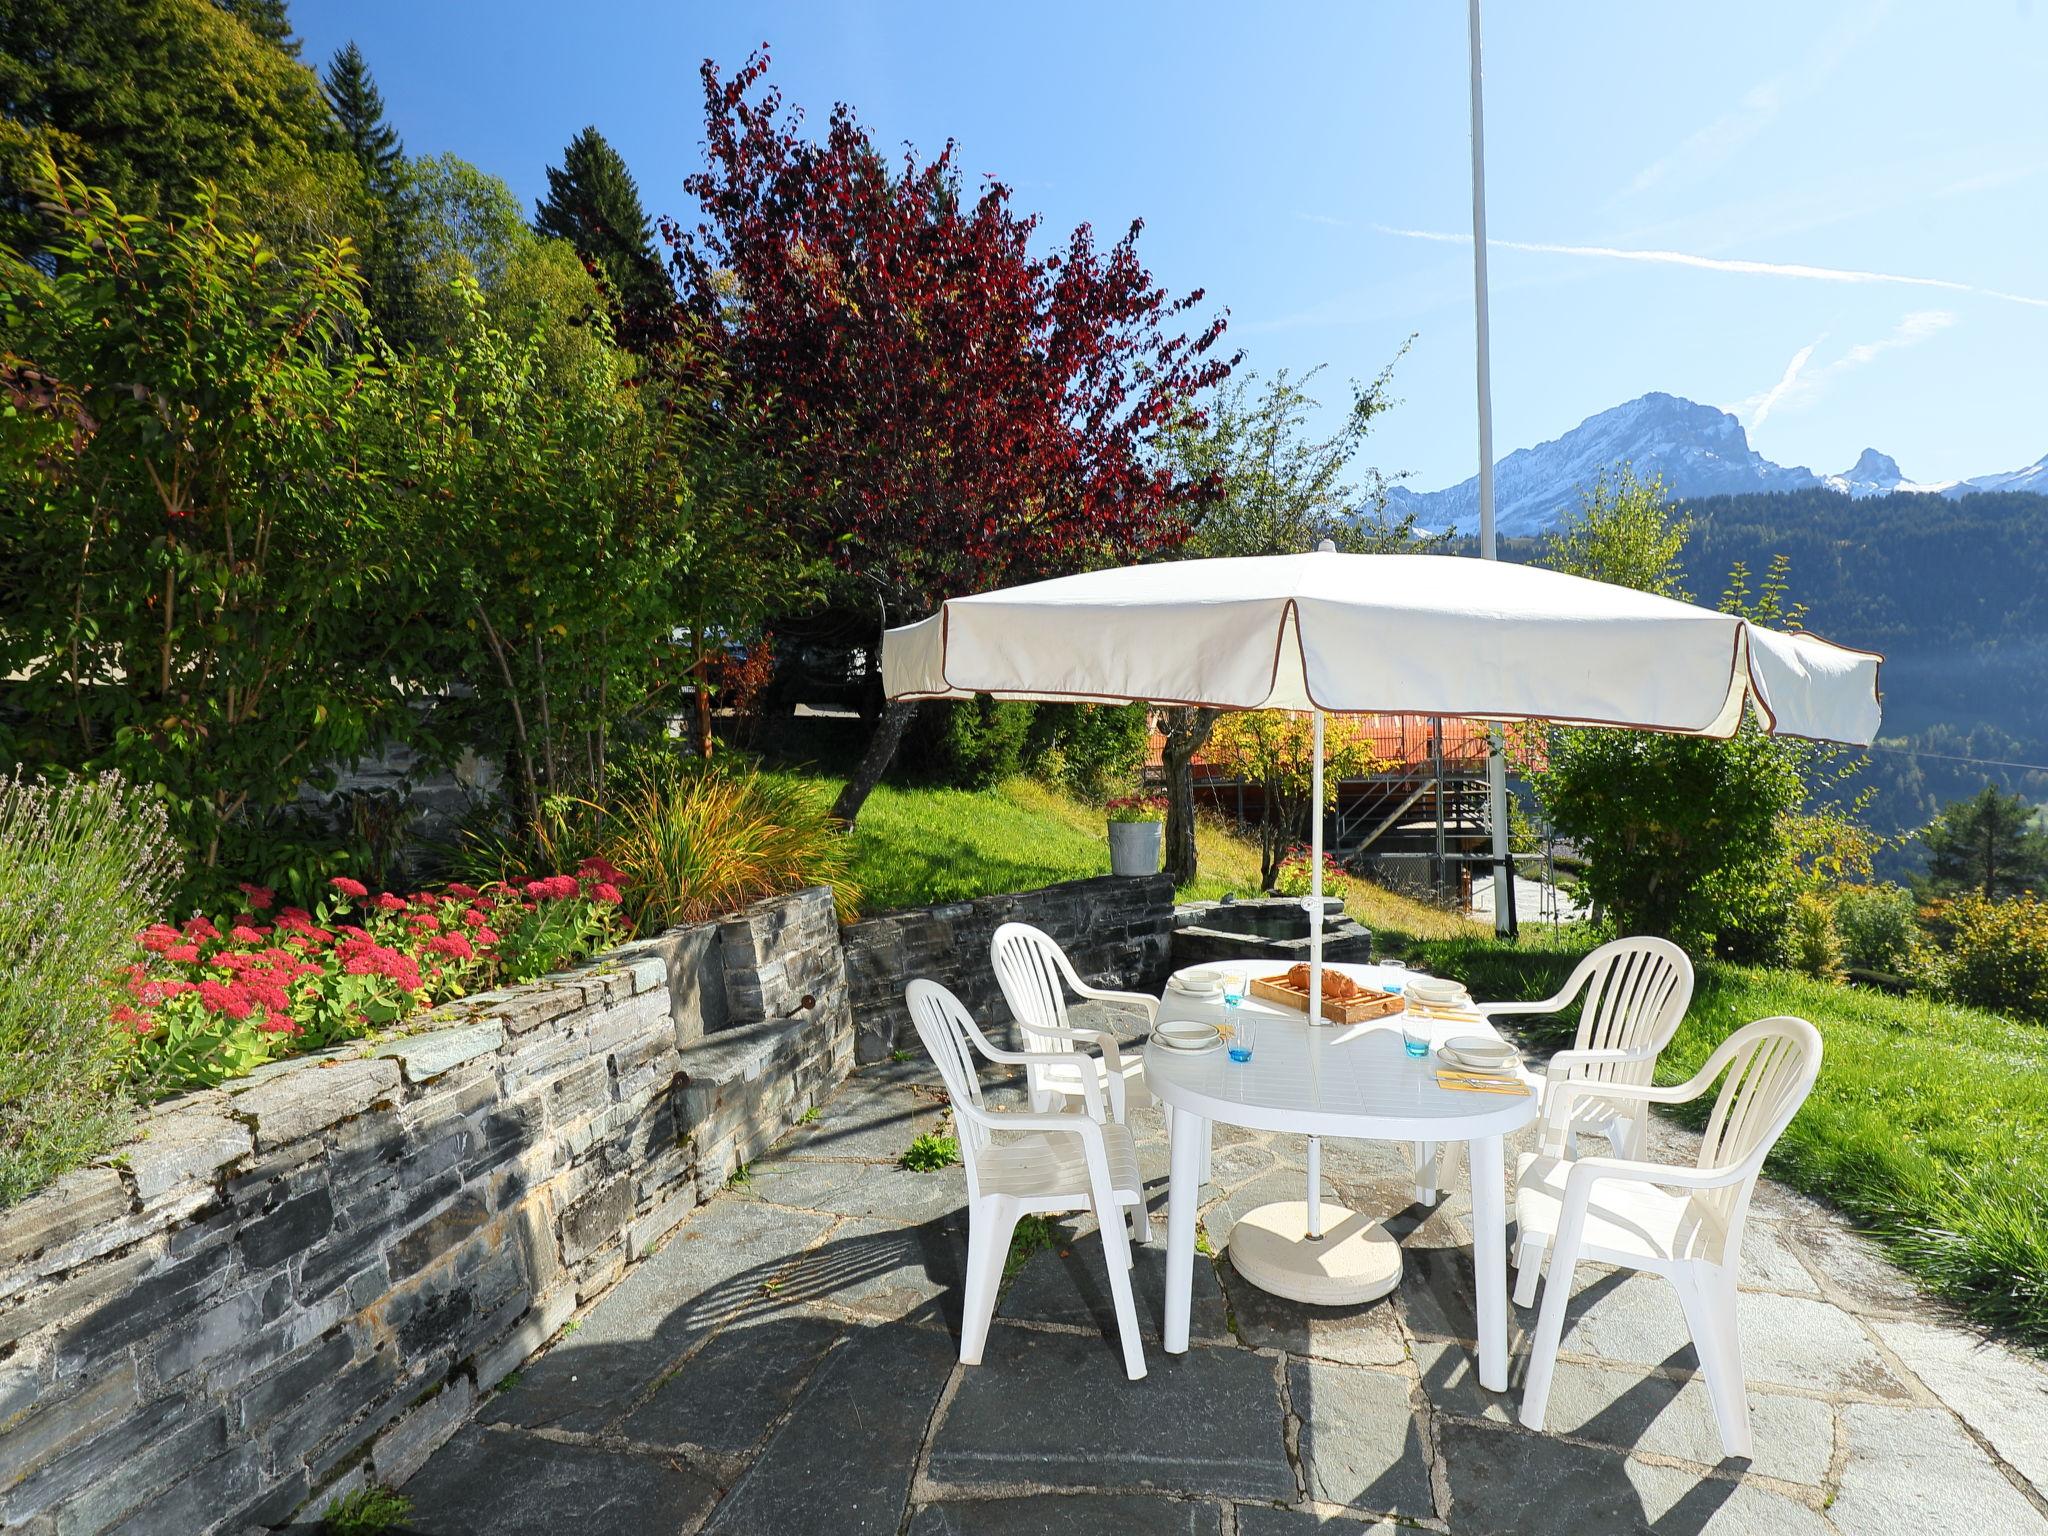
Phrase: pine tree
[359,113]
[1988,844]
[594,204]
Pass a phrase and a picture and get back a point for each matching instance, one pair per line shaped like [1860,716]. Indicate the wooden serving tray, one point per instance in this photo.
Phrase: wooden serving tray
[1369,1004]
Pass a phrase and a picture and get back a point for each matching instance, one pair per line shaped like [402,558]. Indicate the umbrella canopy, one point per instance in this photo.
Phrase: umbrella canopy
[1406,634]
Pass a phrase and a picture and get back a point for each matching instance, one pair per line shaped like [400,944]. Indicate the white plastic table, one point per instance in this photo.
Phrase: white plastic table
[1328,1080]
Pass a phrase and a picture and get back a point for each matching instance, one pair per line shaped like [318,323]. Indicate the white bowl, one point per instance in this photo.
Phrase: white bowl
[1435,989]
[1187,1036]
[1481,1048]
[1199,979]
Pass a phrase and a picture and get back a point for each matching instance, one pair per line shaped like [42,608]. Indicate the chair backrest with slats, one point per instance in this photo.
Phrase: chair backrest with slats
[1637,991]
[1767,1068]
[942,1024]
[1030,967]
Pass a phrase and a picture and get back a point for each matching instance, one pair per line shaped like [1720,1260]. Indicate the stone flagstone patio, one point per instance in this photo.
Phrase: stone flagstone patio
[786,1364]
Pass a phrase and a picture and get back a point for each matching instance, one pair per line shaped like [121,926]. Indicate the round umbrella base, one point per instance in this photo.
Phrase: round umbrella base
[1355,1260]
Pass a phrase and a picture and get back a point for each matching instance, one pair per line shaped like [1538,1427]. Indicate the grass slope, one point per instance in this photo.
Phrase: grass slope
[1929,1123]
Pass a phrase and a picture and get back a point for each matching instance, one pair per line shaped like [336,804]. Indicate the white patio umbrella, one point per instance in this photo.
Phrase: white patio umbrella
[1397,634]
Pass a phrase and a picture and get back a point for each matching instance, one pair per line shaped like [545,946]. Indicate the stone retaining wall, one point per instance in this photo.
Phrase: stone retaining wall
[1115,930]
[306,1279]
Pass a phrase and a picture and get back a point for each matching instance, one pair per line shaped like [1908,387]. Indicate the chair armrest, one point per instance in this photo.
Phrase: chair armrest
[1091,1090]
[1563,1063]
[1547,1005]
[1112,1059]
[1087,1129]
[1144,1002]
[1588,1171]
[1561,1093]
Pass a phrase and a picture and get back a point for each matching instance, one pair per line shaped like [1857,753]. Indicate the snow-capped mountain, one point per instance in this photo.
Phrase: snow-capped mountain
[1697,449]
[1878,474]
[2033,478]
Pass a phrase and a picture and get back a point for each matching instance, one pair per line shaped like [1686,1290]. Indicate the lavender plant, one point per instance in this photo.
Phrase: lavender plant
[84,864]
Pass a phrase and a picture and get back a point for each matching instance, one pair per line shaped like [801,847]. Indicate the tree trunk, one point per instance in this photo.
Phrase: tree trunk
[1187,731]
[875,761]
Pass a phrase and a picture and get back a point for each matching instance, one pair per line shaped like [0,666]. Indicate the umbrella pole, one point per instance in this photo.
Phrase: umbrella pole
[1315,961]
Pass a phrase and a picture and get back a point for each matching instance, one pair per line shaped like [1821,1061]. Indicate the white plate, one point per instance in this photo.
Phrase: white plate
[1199,977]
[1196,989]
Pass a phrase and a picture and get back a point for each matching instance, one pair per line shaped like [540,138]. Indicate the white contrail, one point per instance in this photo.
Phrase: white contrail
[1779,390]
[1720,264]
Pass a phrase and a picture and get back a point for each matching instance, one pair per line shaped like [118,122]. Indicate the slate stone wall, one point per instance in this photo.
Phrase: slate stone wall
[1115,930]
[308,1278]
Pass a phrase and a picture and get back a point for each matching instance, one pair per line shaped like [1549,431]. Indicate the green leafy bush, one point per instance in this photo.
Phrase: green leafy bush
[970,743]
[1877,928]
[1811,946]
[1996,953]
[83,864]
[1088,748]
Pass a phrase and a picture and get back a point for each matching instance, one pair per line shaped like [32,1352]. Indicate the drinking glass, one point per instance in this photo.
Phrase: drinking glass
[1398,982]
[1415,1037]
[1240,1038]
[1233,991]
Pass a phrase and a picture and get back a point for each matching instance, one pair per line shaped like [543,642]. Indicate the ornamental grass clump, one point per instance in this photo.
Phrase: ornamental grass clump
[83,864]
[699,843]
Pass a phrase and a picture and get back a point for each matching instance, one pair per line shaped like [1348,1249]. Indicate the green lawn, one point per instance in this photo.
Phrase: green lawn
[916,846]
[1929,1123]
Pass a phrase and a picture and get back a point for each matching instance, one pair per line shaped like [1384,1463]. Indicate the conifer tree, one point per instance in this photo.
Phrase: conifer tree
[594,204]
[359,114]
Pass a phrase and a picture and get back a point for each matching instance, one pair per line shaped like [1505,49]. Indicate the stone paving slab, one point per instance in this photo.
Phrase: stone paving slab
[871,1119]
[494,1482]
[1055,1409]
[1261,1520]
[857,1189]
[842,1462]
[1361,1443]
[711,1272]
[883,1271]
[1069,1284]
[1914,1469]
[735,1388]
[1070,1515]
[1632,1410]
[1999,1393]
[1513,1483]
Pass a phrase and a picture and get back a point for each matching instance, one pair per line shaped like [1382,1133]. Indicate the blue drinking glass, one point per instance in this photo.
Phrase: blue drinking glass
[1240,1038]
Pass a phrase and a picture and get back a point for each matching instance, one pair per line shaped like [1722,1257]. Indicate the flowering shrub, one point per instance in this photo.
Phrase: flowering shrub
[1292,877]
[1137,808]
[216,1000]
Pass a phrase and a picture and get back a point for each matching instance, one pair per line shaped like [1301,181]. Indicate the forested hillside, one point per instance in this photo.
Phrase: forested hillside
[1954,593]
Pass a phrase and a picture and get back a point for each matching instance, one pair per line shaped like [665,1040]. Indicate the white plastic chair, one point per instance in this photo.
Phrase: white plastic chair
[1636,993]
[1036,975]
[1024,1164]
[1683,1223]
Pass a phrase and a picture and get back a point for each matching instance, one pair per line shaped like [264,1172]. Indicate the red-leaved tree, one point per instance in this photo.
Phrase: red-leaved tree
[961,411]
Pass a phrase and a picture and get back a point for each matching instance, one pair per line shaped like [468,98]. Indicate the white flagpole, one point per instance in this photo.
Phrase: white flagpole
[1315,962]
[1496,763]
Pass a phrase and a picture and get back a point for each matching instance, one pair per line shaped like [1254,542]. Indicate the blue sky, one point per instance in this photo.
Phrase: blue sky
[1308,167]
